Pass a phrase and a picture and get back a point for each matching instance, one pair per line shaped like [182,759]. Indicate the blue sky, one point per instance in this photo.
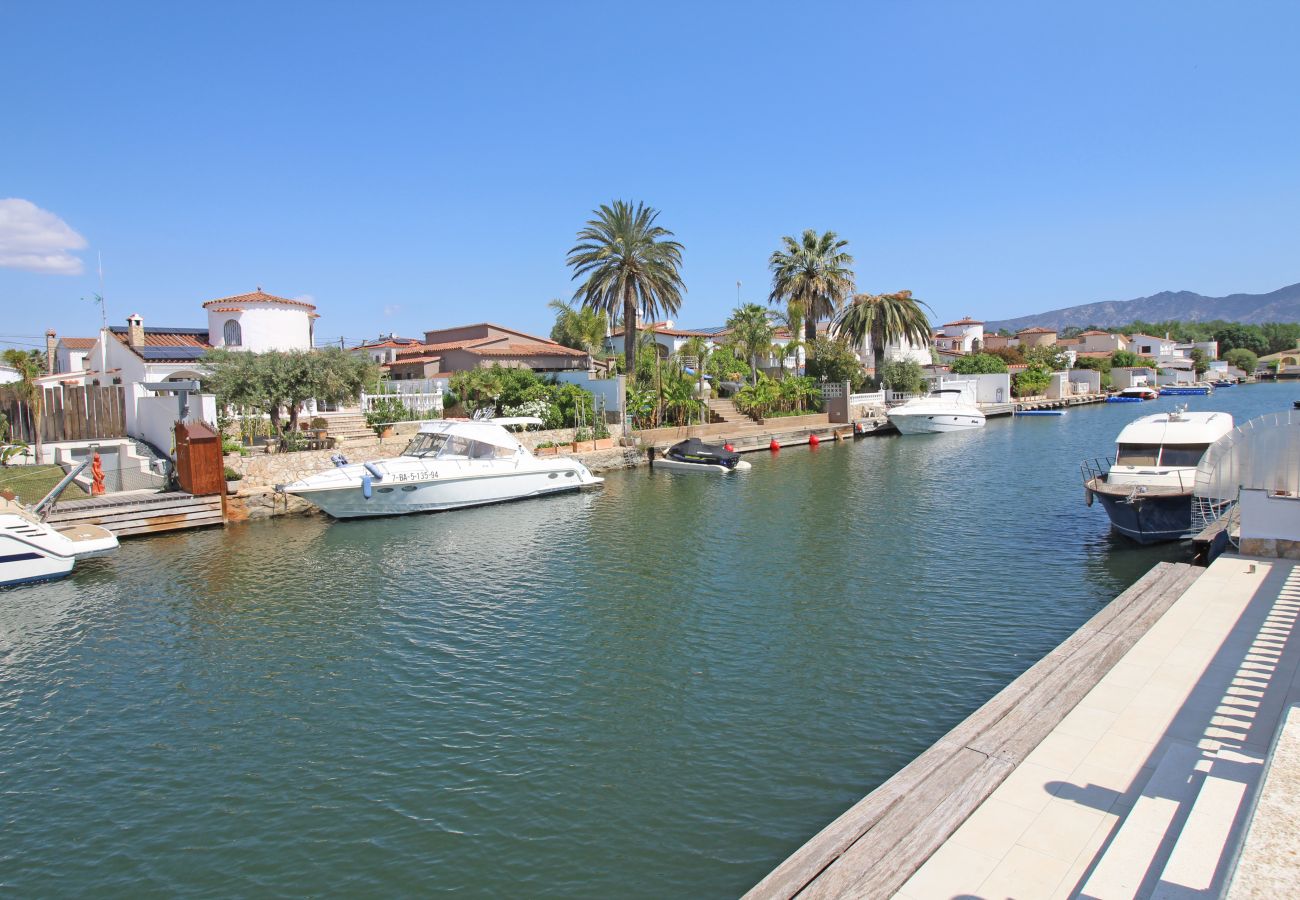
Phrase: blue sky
[415,165]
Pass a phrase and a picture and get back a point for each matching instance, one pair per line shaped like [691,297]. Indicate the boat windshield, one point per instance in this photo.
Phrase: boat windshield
[1137,454]
[454,446]
[425,444]
[1183,454]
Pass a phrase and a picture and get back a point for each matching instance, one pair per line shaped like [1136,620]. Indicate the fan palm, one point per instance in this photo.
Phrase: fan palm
[630,266]
[885,319]
[814,274]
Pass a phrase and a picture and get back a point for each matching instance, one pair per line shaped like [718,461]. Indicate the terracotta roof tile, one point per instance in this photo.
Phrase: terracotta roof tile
[258,296]
[1037,329]
[77,343]
[526,350]
[963,321]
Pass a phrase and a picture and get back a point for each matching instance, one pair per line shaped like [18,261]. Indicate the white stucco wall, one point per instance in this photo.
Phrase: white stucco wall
[1269,518]
[988,388]
[264,328]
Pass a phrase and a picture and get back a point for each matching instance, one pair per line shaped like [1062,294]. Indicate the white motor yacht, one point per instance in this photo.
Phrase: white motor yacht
[1147,489]
[449,464]
[32,550]
[945,409]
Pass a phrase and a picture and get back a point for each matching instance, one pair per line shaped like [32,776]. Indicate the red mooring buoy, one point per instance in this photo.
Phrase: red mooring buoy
[813,441]
[774,446]
[727,446]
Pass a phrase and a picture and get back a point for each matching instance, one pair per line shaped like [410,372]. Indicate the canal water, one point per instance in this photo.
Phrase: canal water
[660,688]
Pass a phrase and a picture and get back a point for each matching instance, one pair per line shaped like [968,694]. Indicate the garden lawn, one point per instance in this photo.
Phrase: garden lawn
[31,483]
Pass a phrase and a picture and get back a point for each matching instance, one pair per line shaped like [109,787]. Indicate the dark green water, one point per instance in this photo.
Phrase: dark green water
[657,689]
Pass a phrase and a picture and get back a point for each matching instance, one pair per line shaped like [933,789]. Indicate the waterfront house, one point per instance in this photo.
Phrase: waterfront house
[1148,345]
[385,348]
[998,341]
[66,355]
[966,335]
[1101,342]
[482,345]
[669,339]
[1132,376]
[1036,337]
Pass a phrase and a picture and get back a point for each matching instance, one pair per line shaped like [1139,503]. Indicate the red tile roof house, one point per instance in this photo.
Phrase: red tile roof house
[449,350]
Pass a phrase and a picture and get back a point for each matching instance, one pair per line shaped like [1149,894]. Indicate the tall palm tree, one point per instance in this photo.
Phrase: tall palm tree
[885,318]
[813,273]
[630,266]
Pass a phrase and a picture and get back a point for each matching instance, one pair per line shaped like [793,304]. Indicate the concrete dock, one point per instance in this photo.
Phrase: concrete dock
[1129,762]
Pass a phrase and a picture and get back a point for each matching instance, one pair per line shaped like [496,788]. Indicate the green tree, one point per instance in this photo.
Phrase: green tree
[905,376]
[630,266]
[979,364]
[1242,359]
[1051,357]
[1032,381]
[579,327]
[752,330]
[886,319]
[30,365]
[1009,355]
[1249,337]
[1280,336]
[280,381]
[1124,359]
[1199,363]
[832,360]
[813,275]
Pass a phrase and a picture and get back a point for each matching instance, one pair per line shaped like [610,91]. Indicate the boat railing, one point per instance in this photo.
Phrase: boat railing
[1096,468]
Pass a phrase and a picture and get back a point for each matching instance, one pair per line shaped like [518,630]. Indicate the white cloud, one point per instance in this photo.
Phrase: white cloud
[37,240]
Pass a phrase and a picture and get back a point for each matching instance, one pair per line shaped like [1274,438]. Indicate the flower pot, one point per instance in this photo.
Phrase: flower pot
[603,443]
[583,446]
[232,487]
[546,451]
[321,434]
[386,432]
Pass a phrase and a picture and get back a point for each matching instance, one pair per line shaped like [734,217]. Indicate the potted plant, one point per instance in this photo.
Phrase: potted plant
[232,480]
[582,442]
[546,448]
[601,439]
[320,426]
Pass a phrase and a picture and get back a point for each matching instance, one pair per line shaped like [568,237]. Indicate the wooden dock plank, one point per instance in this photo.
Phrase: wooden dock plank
[875,846]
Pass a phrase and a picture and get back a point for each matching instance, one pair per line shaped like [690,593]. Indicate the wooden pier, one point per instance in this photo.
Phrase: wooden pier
[879,843]
[134,513]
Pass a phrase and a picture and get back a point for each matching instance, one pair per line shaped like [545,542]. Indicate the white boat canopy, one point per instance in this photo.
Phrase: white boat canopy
[482,432]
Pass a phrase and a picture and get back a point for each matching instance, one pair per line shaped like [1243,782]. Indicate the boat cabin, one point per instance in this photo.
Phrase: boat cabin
[1164,443]
[463,440]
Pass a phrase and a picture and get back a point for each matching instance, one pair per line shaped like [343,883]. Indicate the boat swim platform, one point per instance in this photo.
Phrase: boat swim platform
[133,513]
[1125,763]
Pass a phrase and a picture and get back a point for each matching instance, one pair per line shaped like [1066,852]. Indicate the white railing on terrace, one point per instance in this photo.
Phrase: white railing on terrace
[420,405]
[899,396]
[412,386]
[875,399]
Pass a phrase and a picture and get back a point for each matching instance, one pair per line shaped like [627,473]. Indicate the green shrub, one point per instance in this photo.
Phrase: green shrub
[232,475]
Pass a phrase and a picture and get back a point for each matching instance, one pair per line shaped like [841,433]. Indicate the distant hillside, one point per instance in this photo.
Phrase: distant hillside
[1282,305]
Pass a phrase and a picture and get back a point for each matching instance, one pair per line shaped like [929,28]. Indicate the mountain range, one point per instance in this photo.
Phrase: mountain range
[1282,305]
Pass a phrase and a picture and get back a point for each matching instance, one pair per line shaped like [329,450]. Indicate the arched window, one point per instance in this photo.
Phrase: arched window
[230,333]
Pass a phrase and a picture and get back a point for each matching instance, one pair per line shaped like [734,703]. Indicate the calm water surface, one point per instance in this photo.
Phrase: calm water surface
[660,688]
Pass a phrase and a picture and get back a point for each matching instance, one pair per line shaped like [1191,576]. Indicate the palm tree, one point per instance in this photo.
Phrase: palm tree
[814,274]
[630,266]
[29,365]
[579,327]
[752,329]
[886,319]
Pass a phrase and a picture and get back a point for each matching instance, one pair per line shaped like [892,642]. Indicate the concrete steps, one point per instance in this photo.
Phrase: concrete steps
[723,411]
[348,427]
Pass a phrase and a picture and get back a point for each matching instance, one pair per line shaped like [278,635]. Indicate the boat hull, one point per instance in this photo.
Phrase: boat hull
[675,465]
[1151,519]
[398,498]
[935,423]
[21,563]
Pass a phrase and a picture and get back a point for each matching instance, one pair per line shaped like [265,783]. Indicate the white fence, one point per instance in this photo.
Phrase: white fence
[415,386]
[876,399]
[419,405]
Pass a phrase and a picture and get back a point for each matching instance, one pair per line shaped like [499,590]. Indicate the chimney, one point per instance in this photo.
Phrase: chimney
[51,354]
[135,330]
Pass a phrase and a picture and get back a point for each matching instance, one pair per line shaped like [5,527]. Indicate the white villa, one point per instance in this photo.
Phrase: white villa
[966,335]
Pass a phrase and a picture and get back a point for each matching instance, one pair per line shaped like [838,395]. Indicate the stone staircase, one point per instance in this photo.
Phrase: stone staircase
[348,427]
[723,411]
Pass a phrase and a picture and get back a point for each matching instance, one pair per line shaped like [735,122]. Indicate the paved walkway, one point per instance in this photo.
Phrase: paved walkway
[1145,788]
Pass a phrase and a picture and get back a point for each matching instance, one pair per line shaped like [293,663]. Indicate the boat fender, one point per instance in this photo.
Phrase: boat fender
[374,470]
[650,456]
[1087,496]
[366,488]
[813,440]
[774,446]
[727,446]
